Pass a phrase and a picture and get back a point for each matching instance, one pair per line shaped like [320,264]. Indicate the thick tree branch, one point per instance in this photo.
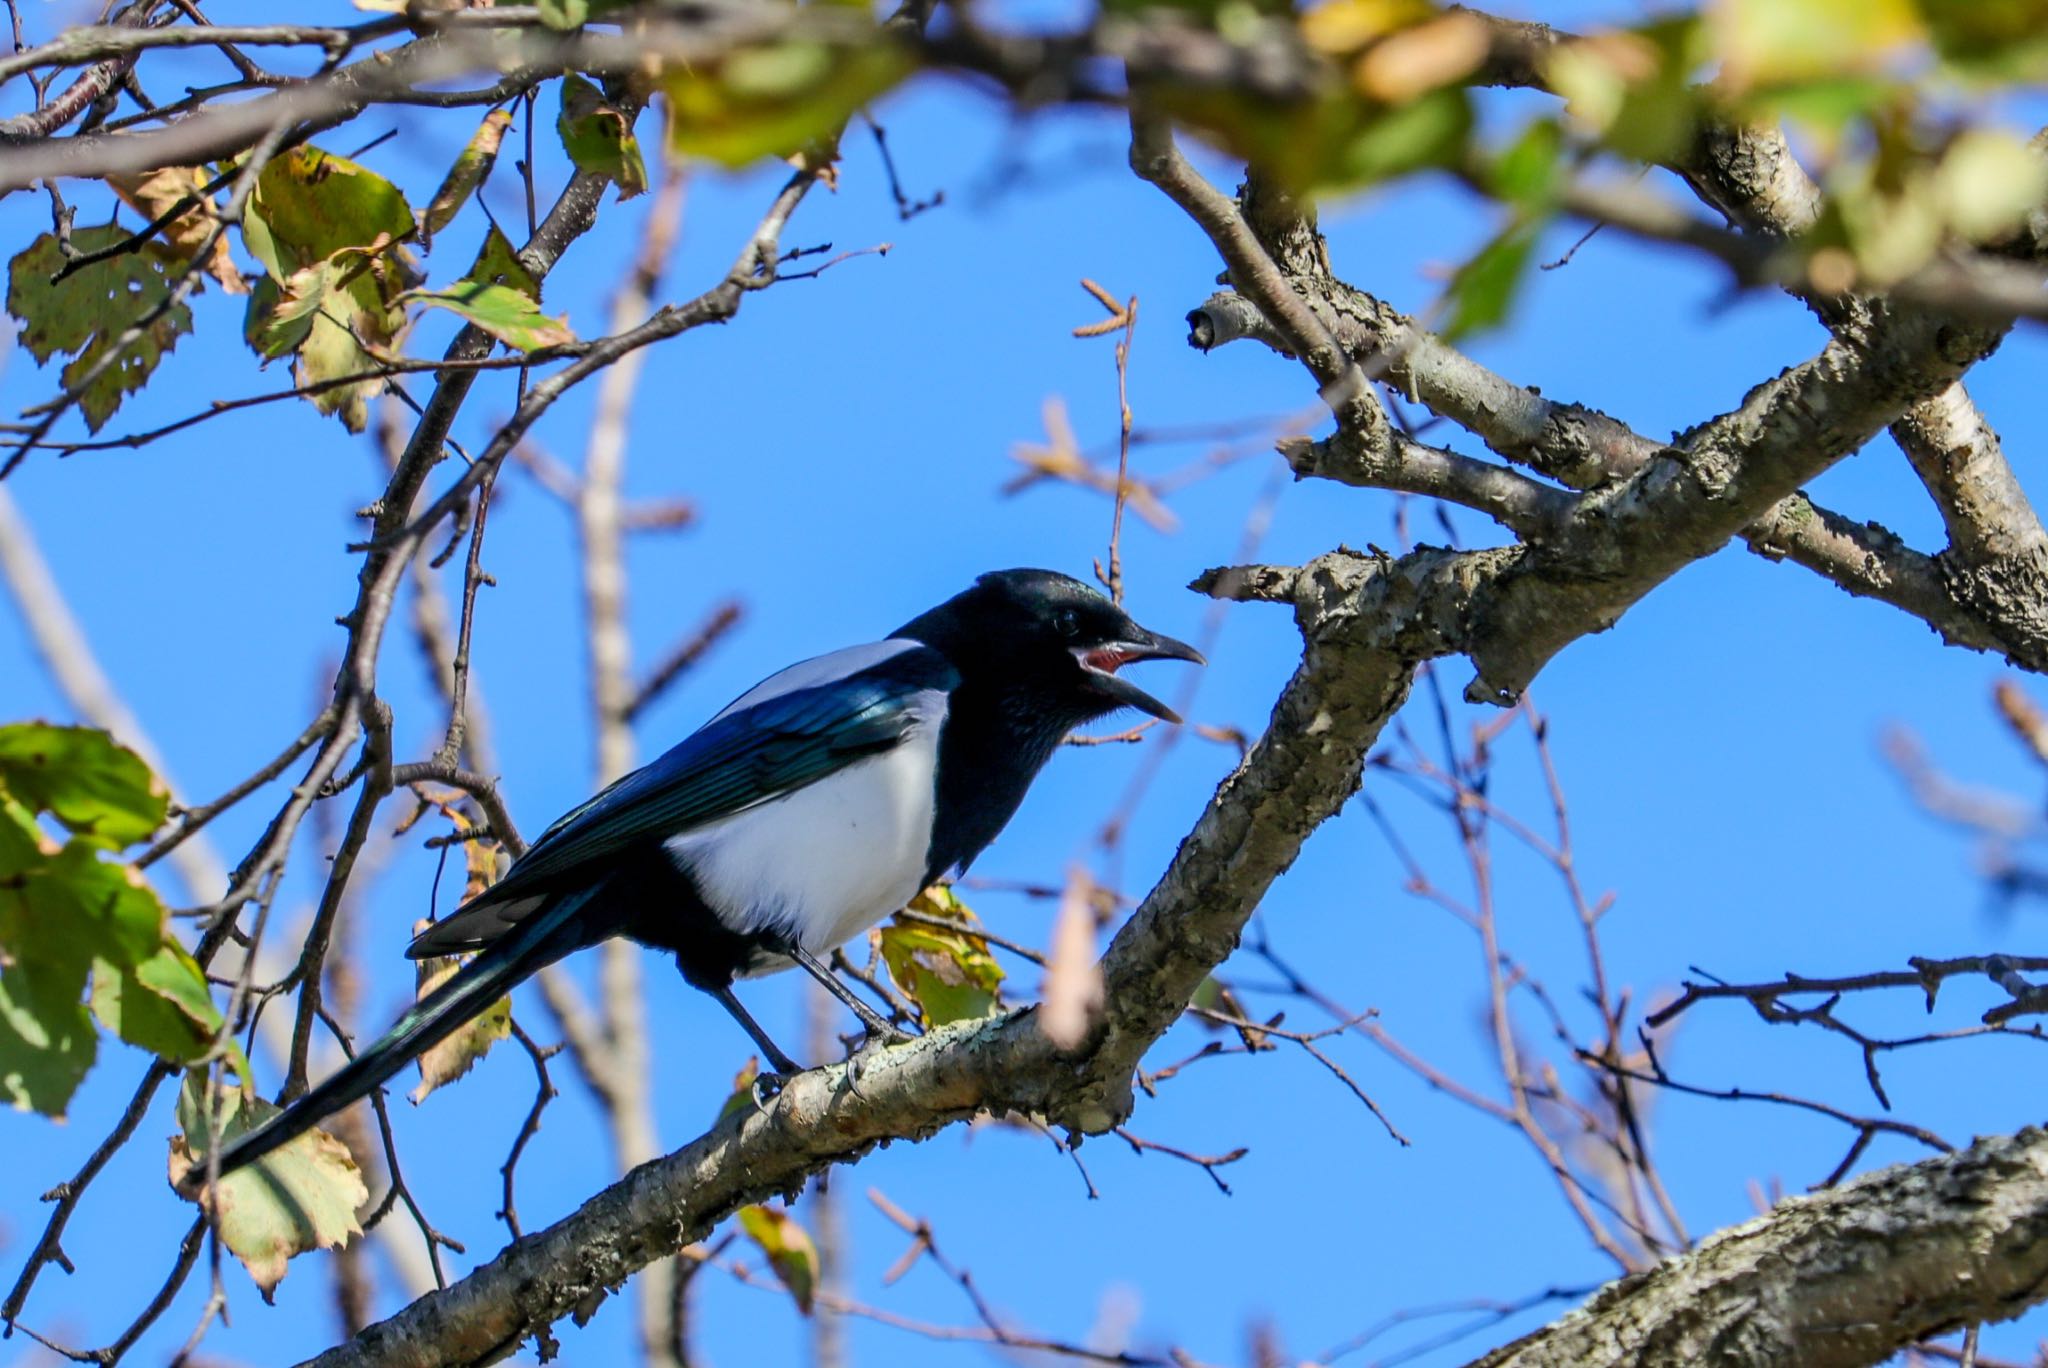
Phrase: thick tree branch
[1841,1279]
[1575,445]
[1996,564]
[1298,775]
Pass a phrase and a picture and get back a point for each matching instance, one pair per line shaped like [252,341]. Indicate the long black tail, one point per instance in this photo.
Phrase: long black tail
[539,940]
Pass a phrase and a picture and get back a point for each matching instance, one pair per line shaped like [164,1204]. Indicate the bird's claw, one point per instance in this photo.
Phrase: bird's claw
[873,1039]
[767,1086]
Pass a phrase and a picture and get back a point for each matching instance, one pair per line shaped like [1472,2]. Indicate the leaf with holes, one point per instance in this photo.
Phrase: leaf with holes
[86,314]
[155,193]
[789,1249]
[100,790]
[302,1196]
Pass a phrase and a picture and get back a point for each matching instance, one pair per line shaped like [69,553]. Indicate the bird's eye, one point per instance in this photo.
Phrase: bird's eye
[1067,622]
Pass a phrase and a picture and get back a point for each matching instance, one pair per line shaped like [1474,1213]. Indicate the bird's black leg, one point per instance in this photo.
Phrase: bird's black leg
[781,1062]
[877,1028]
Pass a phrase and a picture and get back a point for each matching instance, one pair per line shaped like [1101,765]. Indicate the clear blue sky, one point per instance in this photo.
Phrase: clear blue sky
[844,441]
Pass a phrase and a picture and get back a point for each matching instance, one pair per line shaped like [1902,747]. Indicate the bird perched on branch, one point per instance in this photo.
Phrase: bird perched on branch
[818,802]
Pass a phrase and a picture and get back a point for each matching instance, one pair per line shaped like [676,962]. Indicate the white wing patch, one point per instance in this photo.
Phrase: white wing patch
[824,863]
[824,669]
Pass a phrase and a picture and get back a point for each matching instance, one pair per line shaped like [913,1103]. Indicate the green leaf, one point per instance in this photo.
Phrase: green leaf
[1988,181]
[100,790]
[776,101]
[950,975]
[264,297]
[564,14]
[309,204]
[1530,171]
[1826,108]
[466,176]
[1429,131]
[788,1248]
[1634,89]
[22,842]
[335,314]
[66,913]
[1482,290]
[598,136]
[498,264]
[442,1064]
[73,907]
[1765,43]
[1336,139]
[161,1004]
[2004,40]
[46,1041]
[741,1098]
[326,229]
[570,14]
[1342,27]
[508,314]
[84,315]
[300,1197]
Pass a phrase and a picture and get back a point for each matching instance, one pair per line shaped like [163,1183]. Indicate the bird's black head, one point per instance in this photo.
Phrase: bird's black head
[1051,636]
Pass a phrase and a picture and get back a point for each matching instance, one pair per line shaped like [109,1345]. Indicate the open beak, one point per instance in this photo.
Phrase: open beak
[1102,663]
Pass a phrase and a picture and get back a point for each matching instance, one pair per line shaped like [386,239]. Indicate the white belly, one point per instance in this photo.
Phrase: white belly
[826,862]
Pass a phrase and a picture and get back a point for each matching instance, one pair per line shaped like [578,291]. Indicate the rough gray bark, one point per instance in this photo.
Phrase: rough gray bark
[1846,1277]
[1367,621]
[1581,447]
[1996,563]
[1296,776]
[1603,516]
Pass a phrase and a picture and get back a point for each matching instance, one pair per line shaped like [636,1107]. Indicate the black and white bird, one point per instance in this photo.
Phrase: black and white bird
[817,803]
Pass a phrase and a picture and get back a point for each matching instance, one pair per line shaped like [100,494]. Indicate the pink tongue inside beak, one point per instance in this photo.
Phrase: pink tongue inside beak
[1105,659]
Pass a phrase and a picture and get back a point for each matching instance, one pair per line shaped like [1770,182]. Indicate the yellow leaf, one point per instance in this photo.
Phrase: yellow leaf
[949,975]
[302,1196]
[442,1064]
[1782,42]
[1418,60]
[789,1249]
[1345,26]
[1988,181]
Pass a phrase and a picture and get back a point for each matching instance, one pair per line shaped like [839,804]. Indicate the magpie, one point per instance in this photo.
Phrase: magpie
[814,805]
